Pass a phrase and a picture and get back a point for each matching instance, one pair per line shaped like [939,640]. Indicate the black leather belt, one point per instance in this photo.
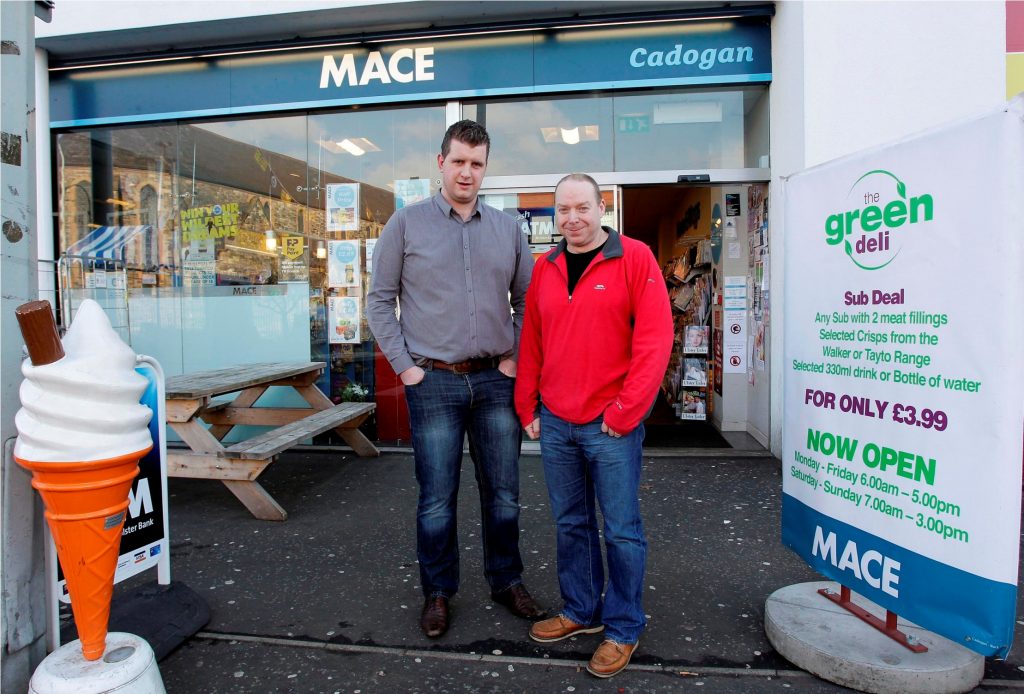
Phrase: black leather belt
[465,367]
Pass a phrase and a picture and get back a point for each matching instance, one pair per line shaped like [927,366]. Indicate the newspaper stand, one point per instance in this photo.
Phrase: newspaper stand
[101,279]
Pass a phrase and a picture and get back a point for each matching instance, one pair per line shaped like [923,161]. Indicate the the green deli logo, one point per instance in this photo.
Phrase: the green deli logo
[873,230]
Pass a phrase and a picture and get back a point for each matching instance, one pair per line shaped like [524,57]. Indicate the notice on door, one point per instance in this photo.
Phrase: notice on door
[734,312]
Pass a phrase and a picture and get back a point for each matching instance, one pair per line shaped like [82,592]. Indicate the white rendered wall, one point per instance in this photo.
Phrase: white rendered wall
[877,71]
[113,15]
[852,75]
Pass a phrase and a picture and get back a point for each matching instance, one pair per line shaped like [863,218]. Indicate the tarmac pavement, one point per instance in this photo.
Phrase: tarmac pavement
[329,600]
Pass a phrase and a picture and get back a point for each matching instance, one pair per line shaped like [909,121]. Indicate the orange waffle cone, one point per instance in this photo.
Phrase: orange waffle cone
[85,509]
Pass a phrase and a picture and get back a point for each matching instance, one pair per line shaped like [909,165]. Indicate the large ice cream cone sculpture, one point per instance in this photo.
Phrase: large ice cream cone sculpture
[85,509]
[82,432]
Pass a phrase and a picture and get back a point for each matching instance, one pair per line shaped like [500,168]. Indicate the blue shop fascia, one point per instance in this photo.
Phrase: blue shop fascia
[630,54]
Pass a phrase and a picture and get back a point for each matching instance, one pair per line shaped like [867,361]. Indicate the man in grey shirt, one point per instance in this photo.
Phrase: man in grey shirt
[458,269]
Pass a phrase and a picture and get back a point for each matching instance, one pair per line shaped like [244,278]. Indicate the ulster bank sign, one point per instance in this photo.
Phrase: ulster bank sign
[713,52]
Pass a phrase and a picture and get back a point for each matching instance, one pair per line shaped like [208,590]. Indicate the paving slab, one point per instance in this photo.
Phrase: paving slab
[336,585]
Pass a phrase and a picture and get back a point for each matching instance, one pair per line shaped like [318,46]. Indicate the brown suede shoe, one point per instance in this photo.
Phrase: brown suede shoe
[519,602]
[434,619]
[610,658]
[558,628]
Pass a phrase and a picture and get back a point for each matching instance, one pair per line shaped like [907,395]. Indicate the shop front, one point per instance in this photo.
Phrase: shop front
[255,185]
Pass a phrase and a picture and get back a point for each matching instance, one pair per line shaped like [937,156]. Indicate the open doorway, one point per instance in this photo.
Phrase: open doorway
[706,237]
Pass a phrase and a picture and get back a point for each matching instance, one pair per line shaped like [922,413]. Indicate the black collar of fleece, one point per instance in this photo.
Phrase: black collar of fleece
[612,247]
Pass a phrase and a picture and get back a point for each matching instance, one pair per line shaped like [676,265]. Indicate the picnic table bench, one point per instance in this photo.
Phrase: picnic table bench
[189,403]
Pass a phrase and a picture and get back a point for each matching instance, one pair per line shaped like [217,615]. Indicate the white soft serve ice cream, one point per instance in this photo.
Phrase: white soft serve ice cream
[84,406]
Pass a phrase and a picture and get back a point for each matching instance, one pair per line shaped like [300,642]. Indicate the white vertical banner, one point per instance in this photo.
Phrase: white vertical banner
[903,384]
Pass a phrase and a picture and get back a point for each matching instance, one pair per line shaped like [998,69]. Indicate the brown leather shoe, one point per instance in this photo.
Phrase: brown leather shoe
[558,628]
[610,658]
[519,602]
[434,619]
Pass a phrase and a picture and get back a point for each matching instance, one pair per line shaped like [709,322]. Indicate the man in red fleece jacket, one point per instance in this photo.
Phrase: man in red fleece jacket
[597,335]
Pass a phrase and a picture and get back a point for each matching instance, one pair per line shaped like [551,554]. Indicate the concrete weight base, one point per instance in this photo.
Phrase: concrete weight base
[127,666]
[821,637]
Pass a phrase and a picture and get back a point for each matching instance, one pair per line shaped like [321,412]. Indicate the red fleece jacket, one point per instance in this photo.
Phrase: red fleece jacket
[603,350]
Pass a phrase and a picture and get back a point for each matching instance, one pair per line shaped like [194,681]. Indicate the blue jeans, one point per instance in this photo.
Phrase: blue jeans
[443,408]
[581,462]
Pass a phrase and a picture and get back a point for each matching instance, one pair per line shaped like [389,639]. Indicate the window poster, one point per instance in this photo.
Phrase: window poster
[342,207]
[218,221]
[410,190]
[343,319]
[293,259]
[370,245]
[343,263]
[199,273]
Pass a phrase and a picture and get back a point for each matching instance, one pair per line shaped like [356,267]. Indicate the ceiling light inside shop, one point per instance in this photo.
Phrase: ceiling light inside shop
[321,250]
[356,146]
[271,241]
[688,112]
[571,136]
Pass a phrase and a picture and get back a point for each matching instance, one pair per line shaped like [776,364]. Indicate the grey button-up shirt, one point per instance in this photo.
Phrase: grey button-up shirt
[461,285]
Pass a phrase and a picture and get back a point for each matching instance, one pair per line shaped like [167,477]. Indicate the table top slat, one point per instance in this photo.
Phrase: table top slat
[282,438]
[233,378]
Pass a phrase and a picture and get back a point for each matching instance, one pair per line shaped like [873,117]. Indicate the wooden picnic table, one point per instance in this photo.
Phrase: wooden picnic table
[190,402]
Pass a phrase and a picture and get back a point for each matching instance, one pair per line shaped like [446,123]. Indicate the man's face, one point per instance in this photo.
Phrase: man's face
[578,215]
[462,171]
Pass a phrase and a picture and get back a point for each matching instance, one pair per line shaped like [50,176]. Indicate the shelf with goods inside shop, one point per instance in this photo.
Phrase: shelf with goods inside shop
[688,276]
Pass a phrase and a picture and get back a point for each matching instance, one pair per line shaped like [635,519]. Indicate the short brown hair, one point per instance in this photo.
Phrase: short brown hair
[466,131]
[581,178]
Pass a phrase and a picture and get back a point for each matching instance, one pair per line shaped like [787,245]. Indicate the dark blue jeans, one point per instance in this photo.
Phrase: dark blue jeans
[580,463]
[443,408]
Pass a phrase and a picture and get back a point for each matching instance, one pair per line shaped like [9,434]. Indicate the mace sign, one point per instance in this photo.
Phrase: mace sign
[903,408]
[404,65]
